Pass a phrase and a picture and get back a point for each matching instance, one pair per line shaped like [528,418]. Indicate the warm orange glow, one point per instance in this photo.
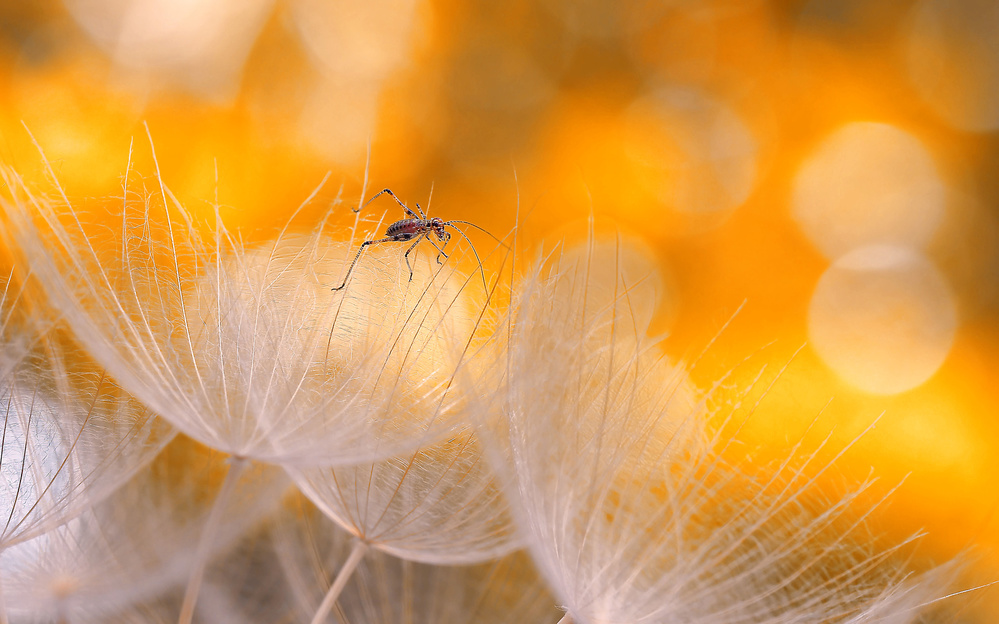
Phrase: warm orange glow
[806,160]
[868,183]
[883,318]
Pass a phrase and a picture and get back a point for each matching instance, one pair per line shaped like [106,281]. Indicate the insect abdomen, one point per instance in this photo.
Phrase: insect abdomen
[405,229]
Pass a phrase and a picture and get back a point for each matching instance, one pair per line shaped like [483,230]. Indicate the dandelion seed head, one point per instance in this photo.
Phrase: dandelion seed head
[71,437]
[438,505]
[135,544]
[369,366]
[33,453]
[309,549]
[629,510]
[247,349]
[593,278]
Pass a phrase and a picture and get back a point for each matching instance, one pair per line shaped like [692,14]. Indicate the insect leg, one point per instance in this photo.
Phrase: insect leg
[440,248]
[358,256]
[411,248]
[409,212]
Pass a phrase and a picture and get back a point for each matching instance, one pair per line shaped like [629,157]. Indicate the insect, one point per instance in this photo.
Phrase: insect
[418,227]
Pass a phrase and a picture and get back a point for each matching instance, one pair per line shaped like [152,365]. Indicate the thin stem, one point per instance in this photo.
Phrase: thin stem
[3,603]
[341,580]
[208,534]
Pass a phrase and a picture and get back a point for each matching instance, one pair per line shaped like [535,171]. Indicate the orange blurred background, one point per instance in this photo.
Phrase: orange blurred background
[829,163]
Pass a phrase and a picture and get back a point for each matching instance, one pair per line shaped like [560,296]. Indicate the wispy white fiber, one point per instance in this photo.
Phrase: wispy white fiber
[432,425]
[65,452]
[309,551]
[440,504]
[628,509]
[70,436]
[137,544]
[247,349]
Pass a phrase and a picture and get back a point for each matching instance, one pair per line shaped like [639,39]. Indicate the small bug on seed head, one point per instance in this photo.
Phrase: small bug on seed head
[420,227]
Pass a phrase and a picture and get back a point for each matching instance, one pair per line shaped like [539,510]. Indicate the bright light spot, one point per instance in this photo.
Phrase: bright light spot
[360,41]
[953,56]
[868,183]
[883,318]
[357,46]
[695,154]
[200,44]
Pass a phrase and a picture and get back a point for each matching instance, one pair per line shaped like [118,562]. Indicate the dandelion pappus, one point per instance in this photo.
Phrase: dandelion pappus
[418,227]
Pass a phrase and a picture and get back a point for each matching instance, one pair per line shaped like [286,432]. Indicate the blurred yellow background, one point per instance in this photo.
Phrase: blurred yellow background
[831,163]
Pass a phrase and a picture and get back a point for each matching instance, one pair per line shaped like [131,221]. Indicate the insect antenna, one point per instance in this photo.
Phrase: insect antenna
[470,244]
[478,228]
[477,259]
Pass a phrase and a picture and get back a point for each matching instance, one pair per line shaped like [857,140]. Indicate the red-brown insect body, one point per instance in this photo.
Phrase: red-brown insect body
[407,229]
[417,226]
